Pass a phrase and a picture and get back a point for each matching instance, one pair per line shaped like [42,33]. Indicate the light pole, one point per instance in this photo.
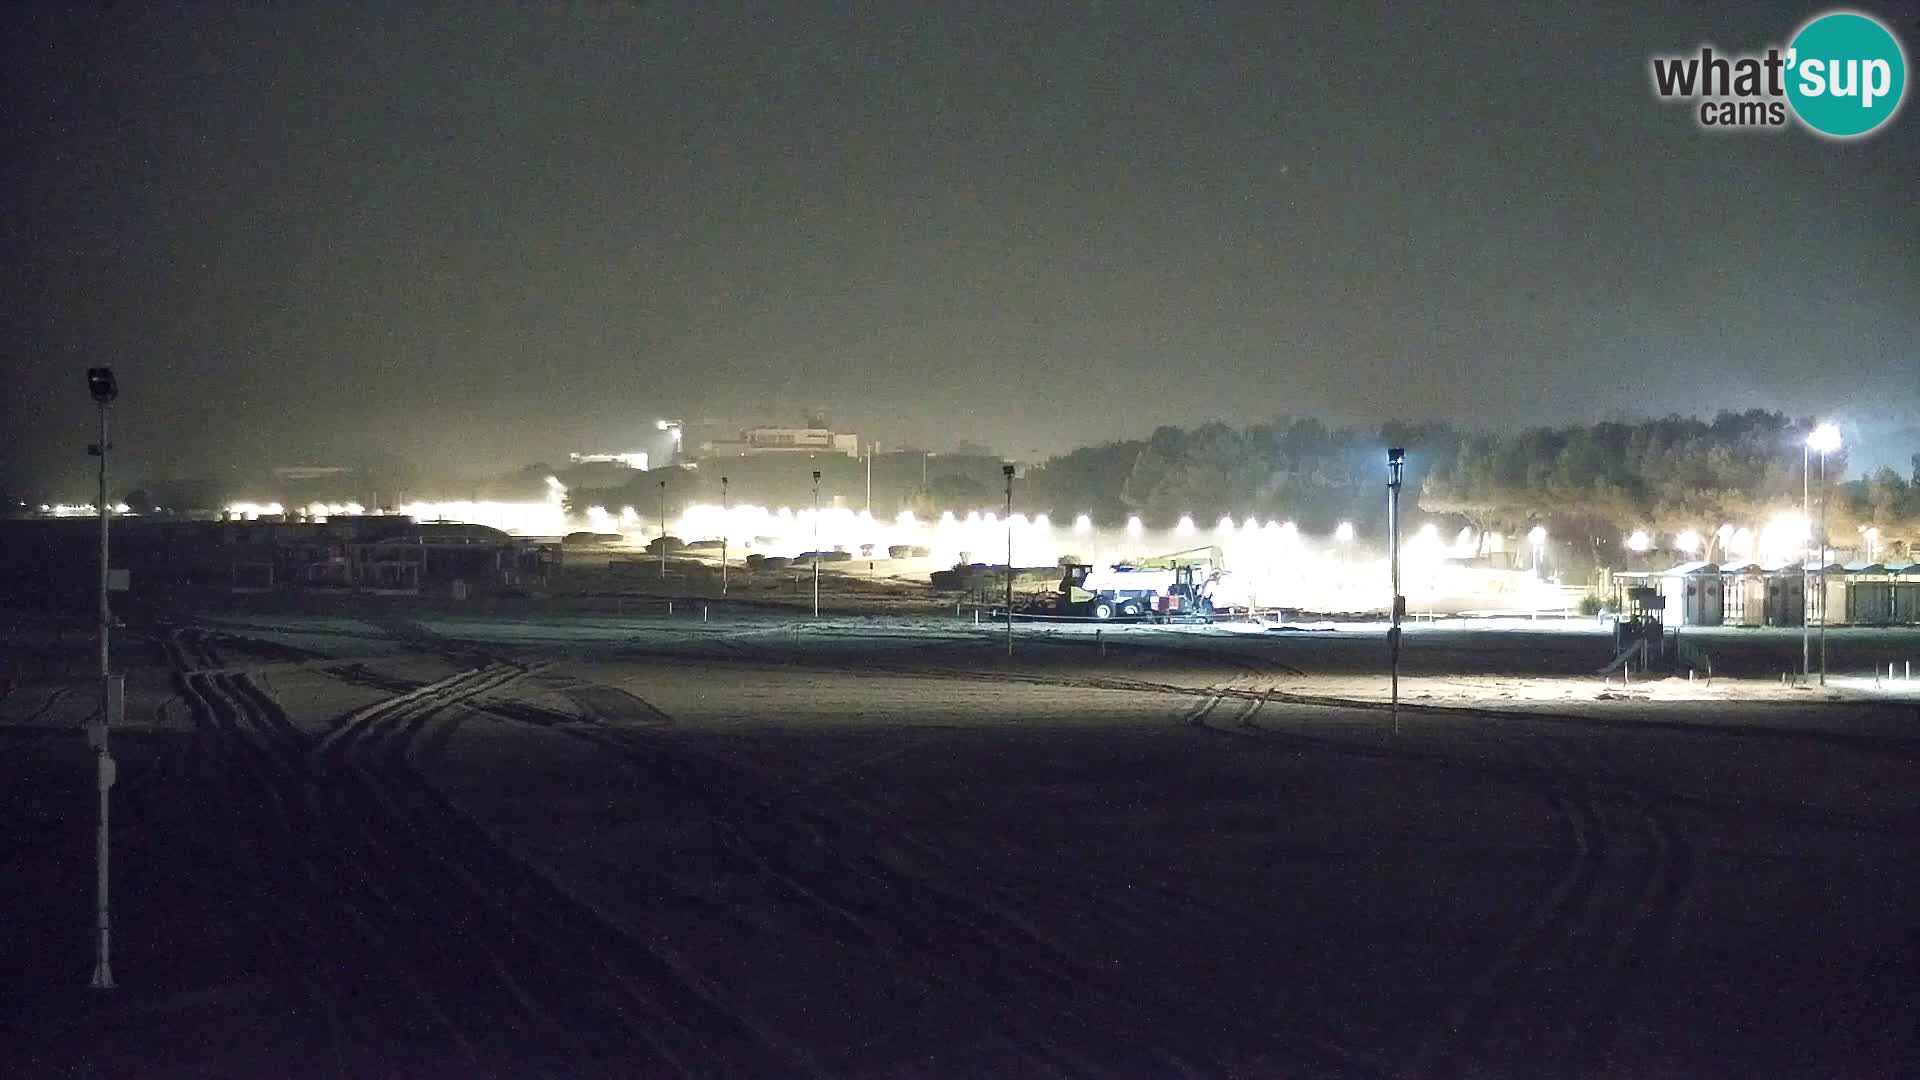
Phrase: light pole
[677,430]
[1825,439]
[663,531]
[1396,457]
[869,477]
[104,388]
[724,522]
[816,543]
[1007,471]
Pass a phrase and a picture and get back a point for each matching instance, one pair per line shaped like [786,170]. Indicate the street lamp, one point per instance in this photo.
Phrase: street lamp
[1007,471]
[816,543]
[1396,460]
[1823,440]
[1639,542]
[104,388]
[674,428]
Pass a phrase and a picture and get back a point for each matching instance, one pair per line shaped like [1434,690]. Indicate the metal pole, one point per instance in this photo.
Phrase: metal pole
[1008,471]
[869,478]
[1823,568]
[1806,575]
[723,536]
[1396,457]
[816,543]
[663,531]
[103,759]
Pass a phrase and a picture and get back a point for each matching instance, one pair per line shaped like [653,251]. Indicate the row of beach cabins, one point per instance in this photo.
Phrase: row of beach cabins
[1788,594]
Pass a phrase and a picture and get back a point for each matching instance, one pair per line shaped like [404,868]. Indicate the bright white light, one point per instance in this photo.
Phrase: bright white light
[1639,541]
[1288,532]
[1225,525]
[660,425]
[1723,532]
[905,519]
[1252,524]
[629,516]
[1824,440]
[1040,522]
[1083,524]
[1428,532]
[1688,542]
[1537,536]
[1134,526]
[946,519]
[1344,533]
[973,517]
[1184,527]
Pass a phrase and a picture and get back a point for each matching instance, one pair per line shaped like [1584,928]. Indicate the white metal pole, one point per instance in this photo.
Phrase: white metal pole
[103,758]
[816,543]
[723,536]
[1008,470]
[1395,457]
[1806,575]
[663,532]
[1823,566]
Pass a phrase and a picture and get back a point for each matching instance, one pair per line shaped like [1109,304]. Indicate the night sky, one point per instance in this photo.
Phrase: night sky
[481,235]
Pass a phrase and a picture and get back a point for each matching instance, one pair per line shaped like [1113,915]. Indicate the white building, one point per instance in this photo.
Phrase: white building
[776,440]
[633,459]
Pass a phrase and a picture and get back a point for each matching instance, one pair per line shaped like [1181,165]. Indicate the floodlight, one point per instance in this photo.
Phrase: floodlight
[1824,440]
[102,385]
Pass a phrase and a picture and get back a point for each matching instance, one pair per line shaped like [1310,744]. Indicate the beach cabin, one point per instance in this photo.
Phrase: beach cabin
[1694,594]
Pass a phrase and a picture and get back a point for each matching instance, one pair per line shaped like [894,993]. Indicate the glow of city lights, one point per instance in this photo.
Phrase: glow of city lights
[1639,541]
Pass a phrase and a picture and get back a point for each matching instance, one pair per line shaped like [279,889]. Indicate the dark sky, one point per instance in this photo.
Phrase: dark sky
[485,234]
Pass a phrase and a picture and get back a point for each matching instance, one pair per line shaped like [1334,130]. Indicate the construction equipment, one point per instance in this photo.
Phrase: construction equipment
[1175,587]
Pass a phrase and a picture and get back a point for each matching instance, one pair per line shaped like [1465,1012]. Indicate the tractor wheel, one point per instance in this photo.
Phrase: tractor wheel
[1102,610]
[1129,610]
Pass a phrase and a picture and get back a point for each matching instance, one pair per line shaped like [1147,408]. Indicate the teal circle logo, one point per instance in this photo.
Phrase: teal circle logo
[1846,74]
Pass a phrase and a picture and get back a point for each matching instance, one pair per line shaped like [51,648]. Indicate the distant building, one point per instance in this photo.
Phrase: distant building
[633,459]
[776,440]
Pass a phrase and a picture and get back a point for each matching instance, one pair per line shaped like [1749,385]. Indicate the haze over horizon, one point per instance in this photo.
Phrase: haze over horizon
[480,236]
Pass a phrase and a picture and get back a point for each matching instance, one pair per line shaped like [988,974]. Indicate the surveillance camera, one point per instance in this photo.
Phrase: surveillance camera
[101,384]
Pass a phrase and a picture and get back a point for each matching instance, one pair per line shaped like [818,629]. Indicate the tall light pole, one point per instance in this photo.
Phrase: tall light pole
[1396,457]
[1823,440]
[869,477]
[663,531]
[104,388]
[724,522]
[1007,471]
[677,429]
[816,543]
